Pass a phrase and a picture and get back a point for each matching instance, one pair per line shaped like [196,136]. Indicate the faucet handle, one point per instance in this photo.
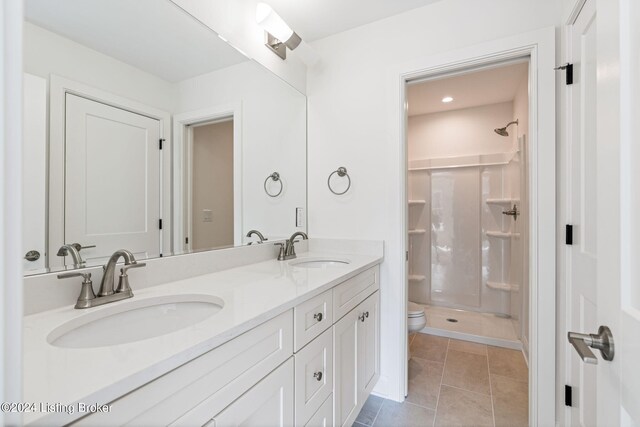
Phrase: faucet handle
[85,276]
[281,253]
[123,280]
[86,293]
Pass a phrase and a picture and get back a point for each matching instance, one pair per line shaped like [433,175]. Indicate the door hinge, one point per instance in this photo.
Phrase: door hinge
[568,68]
[568,395]
[406,255]
[186,241]
[160,141]
[160,224]
[568,234]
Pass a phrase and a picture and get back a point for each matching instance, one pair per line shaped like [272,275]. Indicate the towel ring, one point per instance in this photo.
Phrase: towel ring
[341,171]
[276,178]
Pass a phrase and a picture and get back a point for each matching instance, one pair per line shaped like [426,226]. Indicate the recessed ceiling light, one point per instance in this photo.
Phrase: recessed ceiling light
[447,99]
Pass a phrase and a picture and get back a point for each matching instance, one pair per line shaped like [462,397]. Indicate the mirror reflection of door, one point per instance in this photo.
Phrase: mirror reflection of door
[211,185]
[112,180]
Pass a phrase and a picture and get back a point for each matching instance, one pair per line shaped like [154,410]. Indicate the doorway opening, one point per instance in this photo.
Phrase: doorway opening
[210,184]
[468,233]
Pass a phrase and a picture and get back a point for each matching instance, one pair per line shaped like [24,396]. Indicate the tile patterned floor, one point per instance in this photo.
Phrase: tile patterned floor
[456,383]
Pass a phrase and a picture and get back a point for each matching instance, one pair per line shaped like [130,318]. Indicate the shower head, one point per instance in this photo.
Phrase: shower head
[503,131]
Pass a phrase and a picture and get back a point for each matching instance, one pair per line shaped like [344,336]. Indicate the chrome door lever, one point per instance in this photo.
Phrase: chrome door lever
[602,341]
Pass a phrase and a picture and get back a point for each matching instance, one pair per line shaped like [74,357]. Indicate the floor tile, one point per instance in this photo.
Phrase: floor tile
[370,410]
[357,424]
[468,347]
[425,377]
[429,347]
[394,414]
[463,408]
[510,401]
[508,363]
[467,371]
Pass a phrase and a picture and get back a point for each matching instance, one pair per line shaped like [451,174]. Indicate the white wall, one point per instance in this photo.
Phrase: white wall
[351,112]
[235,20]
[271,111]
[464,132]
[10,207]
[47,53]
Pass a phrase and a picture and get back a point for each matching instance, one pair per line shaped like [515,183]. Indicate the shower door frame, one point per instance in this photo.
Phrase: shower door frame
[539,47]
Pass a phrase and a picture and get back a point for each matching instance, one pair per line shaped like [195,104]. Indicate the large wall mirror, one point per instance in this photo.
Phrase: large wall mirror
[144,130]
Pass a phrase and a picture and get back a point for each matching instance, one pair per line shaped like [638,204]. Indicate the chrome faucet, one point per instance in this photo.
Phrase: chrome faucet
[287,249]
[74,252]
[257,233]
[107,292]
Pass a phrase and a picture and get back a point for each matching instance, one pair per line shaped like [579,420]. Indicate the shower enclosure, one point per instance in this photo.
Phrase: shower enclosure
[467,238]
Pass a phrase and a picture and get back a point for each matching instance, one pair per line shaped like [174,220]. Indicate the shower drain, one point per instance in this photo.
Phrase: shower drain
[452,320]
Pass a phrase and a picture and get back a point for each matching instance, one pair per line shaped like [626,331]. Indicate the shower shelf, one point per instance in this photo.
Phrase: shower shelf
[417,231]
[503,286]
[502,234]
[417,202]
[416,277]
[506,202]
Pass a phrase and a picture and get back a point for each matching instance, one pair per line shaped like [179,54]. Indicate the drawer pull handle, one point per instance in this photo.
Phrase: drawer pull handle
[318,375]
[364,316]
[318,317]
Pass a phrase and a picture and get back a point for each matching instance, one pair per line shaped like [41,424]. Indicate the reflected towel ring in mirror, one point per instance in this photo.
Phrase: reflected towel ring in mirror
[276,178]
[341,171]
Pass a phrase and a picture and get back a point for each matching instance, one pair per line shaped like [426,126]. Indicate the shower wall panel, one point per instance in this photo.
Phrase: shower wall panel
[455,237]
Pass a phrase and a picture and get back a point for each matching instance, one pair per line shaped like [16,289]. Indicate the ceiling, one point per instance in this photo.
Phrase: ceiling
[484,87]
[316,19]
[147,34]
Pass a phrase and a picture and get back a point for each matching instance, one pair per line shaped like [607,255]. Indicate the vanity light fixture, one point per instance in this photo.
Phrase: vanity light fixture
[278,35]
[447,99]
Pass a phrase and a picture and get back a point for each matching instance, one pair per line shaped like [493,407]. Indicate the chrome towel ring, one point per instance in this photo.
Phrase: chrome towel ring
[276,178]
[342,172]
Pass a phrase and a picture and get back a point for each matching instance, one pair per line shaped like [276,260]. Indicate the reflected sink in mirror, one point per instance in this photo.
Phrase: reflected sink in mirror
[135,320]
[319,263]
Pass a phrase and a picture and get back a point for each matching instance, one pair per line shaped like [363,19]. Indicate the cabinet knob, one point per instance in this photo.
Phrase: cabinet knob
[362,317]
[318,317]
[318,375]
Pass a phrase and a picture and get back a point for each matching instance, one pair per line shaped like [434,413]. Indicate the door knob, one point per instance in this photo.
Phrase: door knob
[602,341]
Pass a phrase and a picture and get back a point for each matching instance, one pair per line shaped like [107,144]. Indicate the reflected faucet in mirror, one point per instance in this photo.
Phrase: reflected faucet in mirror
[74,252]
[108,293]
[259,234]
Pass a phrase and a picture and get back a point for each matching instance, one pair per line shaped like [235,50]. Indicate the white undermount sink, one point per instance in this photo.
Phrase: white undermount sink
[135,320]
[319,262]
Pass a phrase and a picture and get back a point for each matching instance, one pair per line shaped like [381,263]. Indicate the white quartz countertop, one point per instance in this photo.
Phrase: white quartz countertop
[252,294]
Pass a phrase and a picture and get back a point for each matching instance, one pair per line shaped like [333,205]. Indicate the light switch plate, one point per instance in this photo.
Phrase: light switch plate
[207,215]
[299,217]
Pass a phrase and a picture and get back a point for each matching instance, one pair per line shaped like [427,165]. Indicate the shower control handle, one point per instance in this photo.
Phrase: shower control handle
[513,212]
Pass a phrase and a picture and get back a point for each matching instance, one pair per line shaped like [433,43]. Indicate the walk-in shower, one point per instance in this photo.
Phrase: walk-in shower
[467,207]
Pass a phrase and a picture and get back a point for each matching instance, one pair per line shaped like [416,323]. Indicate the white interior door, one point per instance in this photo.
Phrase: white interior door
[582,255]
[112,180]
[603,286]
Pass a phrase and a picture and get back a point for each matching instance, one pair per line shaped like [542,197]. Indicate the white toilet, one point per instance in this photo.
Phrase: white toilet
[416,320]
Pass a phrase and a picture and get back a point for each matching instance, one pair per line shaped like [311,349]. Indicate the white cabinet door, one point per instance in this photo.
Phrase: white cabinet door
[324,416]
[269,403]
[112,180]
[368,346]
[345,368]
[313,376]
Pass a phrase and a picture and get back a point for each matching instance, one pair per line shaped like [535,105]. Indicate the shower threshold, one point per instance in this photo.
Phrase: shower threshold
[483,328]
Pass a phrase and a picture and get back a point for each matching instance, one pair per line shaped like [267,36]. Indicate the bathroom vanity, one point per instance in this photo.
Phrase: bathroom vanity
[291,343]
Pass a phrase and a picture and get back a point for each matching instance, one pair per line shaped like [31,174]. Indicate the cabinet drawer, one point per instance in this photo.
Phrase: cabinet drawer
[348,294]
[204,386]
[323,416]
[313,376]
[268,404]
[311,318]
